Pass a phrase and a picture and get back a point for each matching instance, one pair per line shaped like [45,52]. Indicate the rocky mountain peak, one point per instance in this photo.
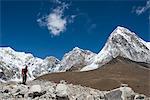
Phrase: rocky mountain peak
[122,42]
[76,59]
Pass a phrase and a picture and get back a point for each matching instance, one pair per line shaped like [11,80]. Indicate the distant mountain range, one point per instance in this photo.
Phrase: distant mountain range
[121,43]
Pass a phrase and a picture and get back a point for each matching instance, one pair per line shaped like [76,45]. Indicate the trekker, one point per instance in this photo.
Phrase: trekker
[24,75]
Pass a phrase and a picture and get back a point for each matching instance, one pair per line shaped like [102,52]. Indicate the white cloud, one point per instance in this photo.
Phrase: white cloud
[55,21]
[141,9]
[42,21]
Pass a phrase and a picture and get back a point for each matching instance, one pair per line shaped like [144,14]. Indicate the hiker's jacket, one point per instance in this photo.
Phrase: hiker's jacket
[24,71]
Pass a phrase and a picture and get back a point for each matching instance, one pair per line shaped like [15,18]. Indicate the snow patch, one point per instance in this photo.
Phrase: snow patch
[90,67]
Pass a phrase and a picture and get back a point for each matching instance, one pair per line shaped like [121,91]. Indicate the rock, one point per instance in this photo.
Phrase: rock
[90,97]
[127,93]
[19,95]
[61,90]
[35,91]
[35,88]
[2,76]
[100,98]
[62,98]
[81,97]
[63,82]
[6,91]
[122,93]
[139,97]
[36,94]
[114,95]
[124,85]
[18,90]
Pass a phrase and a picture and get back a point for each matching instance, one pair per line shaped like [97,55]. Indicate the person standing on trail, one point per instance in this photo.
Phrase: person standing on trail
[24,75]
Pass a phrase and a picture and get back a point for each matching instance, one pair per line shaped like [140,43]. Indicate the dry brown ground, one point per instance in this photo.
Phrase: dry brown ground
[109,76]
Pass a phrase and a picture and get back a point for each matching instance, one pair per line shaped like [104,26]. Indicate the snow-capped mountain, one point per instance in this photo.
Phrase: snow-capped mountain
[12,62]
[76,59]
[121,42]
[124,43]
[49,64]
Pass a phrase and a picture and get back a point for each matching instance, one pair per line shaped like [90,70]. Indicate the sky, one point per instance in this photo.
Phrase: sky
[54,27]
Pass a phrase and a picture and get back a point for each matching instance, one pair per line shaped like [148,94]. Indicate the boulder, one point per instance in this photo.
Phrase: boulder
[113,95]
[139,97]
[127,93]
[35,88]
[36,94]
[90,97]
[81,97]
[62,90]
[62,98]
[19,95]
[35,91]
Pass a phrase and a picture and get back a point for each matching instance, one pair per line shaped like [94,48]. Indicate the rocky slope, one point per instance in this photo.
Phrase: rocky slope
[122,42]
[109,76]
[43,90]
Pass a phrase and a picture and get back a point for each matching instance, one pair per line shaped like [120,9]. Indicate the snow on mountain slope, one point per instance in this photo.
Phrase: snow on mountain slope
[76,59]
[12,62]
[121,42]
[148,44]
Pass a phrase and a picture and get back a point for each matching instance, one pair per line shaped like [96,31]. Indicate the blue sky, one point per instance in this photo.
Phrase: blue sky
[52,27]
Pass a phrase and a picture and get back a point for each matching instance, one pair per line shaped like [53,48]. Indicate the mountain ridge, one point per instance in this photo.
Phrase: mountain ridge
[121,42]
